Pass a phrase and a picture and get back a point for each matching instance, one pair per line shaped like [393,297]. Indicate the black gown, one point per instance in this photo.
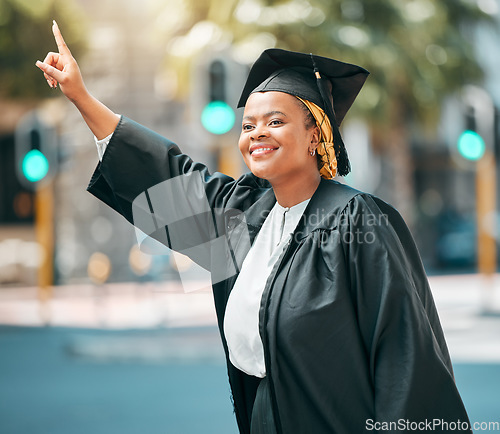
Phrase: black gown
[350,331]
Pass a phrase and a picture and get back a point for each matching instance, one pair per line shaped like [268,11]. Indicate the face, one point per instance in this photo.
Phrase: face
[274,140]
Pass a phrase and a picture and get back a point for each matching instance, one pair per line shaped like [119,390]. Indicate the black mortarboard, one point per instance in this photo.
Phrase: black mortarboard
[307,76]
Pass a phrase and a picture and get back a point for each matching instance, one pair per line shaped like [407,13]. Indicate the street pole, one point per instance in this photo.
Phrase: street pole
[486,214]
[44,228]
[484,115]
[486,228]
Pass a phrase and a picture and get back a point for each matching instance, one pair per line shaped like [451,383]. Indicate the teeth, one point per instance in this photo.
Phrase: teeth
[262,149]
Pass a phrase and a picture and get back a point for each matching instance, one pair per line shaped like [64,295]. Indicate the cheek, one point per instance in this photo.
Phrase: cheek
[243,144]
[300,144]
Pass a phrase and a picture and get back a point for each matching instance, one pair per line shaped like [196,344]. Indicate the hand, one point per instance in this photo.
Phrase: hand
[62,68]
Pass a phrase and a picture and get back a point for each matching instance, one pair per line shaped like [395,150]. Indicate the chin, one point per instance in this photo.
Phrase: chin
[263,174]
[260,171]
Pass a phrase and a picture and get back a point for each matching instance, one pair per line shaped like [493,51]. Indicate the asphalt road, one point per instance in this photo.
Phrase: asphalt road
[133,361]
[78,381]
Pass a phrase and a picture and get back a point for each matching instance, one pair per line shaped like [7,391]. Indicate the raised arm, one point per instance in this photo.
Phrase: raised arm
[61,68]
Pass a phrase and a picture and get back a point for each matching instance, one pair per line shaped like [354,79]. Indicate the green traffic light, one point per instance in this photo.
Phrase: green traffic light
[217,117]
[471,145]
[35,166]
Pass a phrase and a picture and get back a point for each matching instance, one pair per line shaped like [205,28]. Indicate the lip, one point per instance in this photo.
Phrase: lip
[258,150]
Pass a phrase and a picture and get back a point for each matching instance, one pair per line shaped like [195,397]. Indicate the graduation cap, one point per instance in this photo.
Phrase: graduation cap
[329,83]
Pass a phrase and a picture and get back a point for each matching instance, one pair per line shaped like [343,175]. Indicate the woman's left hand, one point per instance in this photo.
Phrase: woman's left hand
[61,68]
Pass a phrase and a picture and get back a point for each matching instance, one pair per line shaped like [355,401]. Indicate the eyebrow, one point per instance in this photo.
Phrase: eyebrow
[272,113]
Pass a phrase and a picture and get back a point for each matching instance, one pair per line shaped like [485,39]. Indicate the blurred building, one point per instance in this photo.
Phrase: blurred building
[445,181]
[125,68]
[119,69]
[444,212]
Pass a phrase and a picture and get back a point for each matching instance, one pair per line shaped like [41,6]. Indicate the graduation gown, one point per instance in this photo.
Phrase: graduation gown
[350,331]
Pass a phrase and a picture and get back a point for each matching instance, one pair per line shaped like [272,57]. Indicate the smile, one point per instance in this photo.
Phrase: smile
[261,151]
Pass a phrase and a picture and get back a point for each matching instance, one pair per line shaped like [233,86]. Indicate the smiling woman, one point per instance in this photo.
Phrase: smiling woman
[324,309]
[277,145]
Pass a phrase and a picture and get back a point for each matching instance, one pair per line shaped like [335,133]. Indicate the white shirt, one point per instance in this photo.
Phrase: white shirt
[241,320]
[102,145]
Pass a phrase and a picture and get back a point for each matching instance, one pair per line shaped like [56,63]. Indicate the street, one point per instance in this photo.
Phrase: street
[147,359]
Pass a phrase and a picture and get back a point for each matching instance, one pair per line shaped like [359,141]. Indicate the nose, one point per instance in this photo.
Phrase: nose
[259,132]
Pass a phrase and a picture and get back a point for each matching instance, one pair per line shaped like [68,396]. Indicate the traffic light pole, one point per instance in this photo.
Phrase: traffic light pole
[486,209]
[44,228]
[482,113]
[36,162]
[486,226]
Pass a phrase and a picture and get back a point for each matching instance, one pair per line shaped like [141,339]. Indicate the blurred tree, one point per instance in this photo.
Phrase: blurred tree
[418,51]
[25,36]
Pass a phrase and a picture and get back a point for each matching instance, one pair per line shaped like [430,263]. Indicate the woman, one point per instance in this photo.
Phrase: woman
[323,305]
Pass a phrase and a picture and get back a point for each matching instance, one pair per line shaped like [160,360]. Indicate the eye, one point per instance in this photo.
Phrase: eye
[247,127]
[275,122]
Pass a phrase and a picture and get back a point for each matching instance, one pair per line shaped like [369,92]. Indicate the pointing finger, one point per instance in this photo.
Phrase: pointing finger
[61,45]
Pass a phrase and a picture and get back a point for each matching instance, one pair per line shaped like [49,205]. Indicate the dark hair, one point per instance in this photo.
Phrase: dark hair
[309,118]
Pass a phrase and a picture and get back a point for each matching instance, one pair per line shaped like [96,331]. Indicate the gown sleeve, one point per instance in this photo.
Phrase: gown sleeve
[161,191]
[409,363]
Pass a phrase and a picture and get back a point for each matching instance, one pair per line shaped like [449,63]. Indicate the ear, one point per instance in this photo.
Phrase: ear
[315,136]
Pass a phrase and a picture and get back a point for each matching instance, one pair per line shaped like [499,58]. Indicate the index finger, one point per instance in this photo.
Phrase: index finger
[61,45]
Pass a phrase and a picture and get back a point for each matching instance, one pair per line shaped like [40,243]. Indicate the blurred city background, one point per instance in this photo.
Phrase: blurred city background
[96,336]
